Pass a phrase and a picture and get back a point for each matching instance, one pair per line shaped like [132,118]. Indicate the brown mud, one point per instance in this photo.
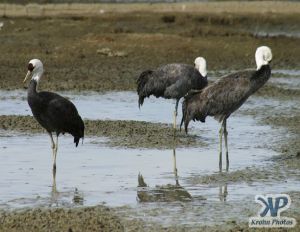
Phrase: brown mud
[130,134]
[109,51]
[98,218]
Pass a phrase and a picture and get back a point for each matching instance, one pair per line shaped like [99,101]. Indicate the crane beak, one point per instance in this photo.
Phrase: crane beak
[27,75]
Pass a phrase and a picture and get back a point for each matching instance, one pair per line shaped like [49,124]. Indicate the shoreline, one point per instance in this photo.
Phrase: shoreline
[71,9]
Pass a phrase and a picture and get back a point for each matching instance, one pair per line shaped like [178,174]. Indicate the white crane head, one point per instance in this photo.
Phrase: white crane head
[200,65]
[35,67]
[263,56]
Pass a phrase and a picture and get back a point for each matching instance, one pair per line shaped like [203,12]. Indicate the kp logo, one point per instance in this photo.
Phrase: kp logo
[269,215]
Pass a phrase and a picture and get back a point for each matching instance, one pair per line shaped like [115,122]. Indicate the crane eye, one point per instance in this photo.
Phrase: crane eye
[30,67]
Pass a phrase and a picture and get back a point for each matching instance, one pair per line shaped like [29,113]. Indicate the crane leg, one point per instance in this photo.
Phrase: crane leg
[52,144]
[54,182]
[220,147]
[175,113]
[226,144]
[175,166]
[55,153]
[174,121]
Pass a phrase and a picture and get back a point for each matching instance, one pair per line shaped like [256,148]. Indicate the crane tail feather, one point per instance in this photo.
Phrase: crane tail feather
[141,101]
[76,140]
[191,111]
[141,86]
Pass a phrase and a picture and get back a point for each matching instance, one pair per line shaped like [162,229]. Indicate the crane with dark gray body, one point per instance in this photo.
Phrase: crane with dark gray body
[226,95]
[52,111]
[172,81]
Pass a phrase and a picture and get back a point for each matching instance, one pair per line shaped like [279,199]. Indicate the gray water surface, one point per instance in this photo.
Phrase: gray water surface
[95,174]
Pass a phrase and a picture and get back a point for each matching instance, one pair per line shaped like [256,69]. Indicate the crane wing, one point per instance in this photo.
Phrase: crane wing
[59,113]
[228,93]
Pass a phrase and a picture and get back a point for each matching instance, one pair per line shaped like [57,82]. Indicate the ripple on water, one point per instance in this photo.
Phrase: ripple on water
[94,174]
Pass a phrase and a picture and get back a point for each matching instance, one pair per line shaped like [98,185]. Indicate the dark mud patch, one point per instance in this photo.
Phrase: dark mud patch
[72,62]
[289,146]
[130,134]
[61,219]
[207,212]
[292,123]
[271,90]
[270,173]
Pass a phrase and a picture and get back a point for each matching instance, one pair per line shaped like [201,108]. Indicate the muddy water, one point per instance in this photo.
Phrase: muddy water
[123,106]
[96,174]
[101,173]
[92,175]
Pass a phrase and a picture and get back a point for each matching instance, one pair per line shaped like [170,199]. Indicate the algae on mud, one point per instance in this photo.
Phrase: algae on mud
[131,134]
[98,218]
[68,46]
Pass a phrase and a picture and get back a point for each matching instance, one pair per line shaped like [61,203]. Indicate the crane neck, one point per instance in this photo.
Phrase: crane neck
[264,72]
[261,77]
[32,88]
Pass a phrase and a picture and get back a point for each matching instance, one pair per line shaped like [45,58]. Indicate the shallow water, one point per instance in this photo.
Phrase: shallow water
[102,173]
[123,105]
[95,174]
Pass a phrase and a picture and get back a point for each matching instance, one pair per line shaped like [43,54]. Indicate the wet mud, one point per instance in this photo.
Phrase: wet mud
[108,52]
[98,218]
[101,218]
[271,90]
[130,134]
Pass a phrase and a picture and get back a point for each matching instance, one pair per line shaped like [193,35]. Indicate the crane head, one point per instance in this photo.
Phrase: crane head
[200,65]
[35,67]
[263,56]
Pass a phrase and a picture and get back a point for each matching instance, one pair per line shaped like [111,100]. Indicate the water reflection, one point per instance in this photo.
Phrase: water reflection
[163,193]
[54,193]
[62,198]
[223,192]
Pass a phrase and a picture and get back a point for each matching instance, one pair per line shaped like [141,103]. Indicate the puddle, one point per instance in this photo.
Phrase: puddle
[103,174]
[270,107]
[123,105]
[94,174]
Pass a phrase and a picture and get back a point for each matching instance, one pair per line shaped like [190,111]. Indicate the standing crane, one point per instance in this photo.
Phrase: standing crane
[52,111]
[226,95]
[172,81]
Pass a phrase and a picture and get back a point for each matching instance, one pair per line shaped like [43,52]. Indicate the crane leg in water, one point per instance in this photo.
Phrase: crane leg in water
[220,147]
[226,143]
[55,153]
[175,114]
[223,131]
[175,166]
[54,150]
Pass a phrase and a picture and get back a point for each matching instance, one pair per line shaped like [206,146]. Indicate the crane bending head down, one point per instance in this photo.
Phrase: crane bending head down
[263,56]
[223,97]
[200,65]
